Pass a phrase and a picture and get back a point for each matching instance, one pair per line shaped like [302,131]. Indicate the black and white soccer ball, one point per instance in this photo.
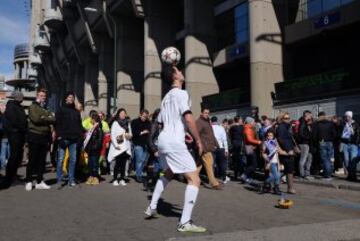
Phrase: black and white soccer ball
[171,56]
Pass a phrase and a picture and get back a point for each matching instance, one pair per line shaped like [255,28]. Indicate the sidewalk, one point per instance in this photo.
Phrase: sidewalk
[338,182]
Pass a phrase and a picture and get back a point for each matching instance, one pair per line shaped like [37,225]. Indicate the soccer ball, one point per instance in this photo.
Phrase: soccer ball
[170,55]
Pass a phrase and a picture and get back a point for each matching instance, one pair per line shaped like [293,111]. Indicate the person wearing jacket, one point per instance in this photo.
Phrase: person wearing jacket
[305,140]
[251,143]
[154,158]
[39,140]
[286,142]
[69,131]
[350,140]
[15,127]
[210,145]
[92,146]
[236,134]
[325,134]
[87,123]
[140,129]
[120,147]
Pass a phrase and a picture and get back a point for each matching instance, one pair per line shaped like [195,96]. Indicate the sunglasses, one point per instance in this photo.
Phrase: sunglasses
[286,118]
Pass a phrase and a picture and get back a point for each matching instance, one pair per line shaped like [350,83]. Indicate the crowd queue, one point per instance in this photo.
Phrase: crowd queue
[84,150]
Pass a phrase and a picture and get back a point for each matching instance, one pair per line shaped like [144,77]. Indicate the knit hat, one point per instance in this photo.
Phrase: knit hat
[349,114]
[17,95]
[249,120]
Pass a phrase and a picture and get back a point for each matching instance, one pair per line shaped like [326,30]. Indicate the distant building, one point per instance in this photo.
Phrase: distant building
[279,55]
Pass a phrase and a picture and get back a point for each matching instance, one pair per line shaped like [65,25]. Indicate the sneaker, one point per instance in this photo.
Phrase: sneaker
[327,179]
[190,227]
[28,186]
[122,183]
[115,183]
[72,184]
[42,186]
[95,181]
[227,179]
[151,213]
[89,181]
[309,178]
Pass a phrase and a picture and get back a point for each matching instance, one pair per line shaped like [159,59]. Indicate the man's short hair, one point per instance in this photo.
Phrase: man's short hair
[43,90]
[167,74]
[144,111]
[306,112]
[204,107]
[214,119]
[237,118]
[322,113]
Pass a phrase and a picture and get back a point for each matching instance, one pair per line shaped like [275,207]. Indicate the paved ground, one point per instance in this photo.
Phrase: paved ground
[116,213]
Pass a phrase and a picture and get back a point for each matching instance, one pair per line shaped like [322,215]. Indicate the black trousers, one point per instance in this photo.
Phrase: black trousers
[16,142]
[120,165]
[38,148]
[251,164]
[221,163]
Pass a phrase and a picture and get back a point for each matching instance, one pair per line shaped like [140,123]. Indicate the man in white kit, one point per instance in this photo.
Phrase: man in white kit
[175,114]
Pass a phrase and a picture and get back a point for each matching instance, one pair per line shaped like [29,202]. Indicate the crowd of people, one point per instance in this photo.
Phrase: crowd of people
[84,150]
[154,147]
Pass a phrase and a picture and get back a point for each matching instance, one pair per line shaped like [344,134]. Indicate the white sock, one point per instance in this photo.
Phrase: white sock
[191,193]
[161,183]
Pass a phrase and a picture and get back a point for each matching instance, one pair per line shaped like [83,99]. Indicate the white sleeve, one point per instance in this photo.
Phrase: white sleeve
[225,140]
[184,102]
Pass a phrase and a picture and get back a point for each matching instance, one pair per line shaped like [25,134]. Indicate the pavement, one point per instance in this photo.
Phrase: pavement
[239,212]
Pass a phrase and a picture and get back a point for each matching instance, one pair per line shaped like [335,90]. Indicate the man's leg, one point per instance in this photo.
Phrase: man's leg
[72,162]
[208,163]
[138,151]
[160,187]
[303,158]
[32,161]
[59,165]
[16,154]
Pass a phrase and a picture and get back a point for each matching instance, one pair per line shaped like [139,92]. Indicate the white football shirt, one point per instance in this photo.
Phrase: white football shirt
[172,137]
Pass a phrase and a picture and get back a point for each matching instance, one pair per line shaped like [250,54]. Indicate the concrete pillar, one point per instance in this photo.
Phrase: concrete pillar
[102,92]
[265,53]
[25,69]
[152,71]
[130,64]
[200,79]
[90,85]
[17,71]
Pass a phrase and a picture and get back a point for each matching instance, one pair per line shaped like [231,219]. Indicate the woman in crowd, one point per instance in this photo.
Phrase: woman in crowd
[120,148]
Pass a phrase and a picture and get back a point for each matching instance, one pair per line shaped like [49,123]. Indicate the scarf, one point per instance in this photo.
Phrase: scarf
[89,134]
[271,146]
[348,131]
[124,124]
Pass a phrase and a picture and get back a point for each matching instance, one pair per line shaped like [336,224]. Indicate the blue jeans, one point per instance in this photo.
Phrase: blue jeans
[326,154]
[350,154]
[274,175]
[72,160]
[140,157]
[5,152]
[93,164]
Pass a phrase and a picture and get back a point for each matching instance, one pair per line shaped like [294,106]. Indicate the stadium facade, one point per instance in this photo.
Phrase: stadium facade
[278,55]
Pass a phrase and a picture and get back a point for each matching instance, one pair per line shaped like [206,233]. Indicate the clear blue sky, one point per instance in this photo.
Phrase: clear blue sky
[14,29]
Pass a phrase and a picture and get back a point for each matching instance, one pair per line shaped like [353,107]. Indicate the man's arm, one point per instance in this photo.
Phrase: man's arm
[190,122]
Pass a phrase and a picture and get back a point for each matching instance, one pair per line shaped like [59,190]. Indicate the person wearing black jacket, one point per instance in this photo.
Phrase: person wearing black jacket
[154,160]
[325,135]
[236,134]
[68,130]
[15,127]
[141,129]
[286,142]
[93,145]
[305,141]
[350,140]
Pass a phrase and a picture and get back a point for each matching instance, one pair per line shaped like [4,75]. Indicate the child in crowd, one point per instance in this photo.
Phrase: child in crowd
[270,152]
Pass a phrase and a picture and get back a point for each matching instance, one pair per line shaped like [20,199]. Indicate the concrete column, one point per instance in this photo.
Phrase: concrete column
[130,66]
[102,92]
[90,85]
[17,71]
[24,74]
[200,79]
[265,53]
[152,71]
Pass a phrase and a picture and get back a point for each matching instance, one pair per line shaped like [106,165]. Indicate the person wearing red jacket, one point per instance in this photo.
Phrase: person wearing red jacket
[251,143]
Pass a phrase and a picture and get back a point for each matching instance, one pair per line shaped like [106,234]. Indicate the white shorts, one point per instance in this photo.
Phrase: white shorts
[179,162]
